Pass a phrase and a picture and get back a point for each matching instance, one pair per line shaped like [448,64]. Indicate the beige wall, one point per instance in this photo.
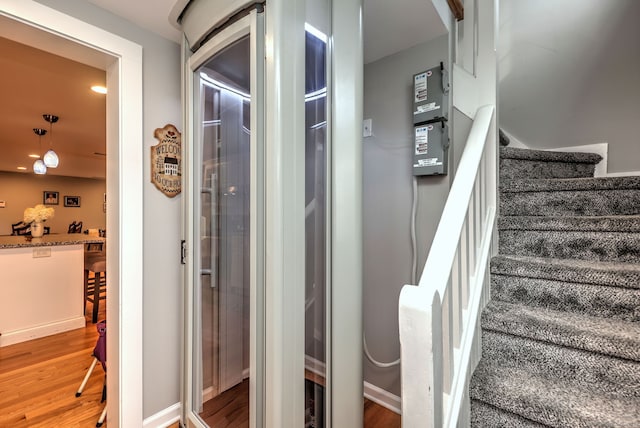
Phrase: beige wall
[23,190]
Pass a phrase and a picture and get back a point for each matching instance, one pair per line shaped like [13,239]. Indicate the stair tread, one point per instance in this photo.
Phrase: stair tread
[569,270]
[571,244]
[620,223]
[590,299]
[617,377]
[519,392]
[486,415]
[607,336]
[549,156]
[517,185]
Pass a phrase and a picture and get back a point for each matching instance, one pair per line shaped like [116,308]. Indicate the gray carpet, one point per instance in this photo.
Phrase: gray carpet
[561,334]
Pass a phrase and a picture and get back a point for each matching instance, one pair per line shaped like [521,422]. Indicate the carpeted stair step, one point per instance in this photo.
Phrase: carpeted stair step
[612,274]
[484,415]
[616,377]
[522,163]
[594,300]
[608,238]
[606,336]
[623,223]
[608,196]
[550,402]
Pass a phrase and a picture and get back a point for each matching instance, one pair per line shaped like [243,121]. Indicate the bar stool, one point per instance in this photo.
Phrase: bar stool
[95,289]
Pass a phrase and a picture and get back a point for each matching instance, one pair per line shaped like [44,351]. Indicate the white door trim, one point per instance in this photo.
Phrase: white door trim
[124,211]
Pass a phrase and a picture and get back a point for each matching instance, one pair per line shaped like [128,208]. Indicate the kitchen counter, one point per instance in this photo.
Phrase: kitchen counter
[42,285]
[48,240]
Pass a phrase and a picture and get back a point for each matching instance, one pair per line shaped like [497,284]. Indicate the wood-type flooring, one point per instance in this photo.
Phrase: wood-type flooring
[39,378]
[231,409]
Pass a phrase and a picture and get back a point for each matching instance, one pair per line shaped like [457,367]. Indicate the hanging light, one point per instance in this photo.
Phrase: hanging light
[38,166]
[50,158]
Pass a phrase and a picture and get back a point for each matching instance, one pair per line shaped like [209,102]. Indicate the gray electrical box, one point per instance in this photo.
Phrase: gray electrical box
[430,95]
[431,151]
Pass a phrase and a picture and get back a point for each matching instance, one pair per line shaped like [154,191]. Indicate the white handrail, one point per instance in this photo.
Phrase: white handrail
[436,340]
[443,248]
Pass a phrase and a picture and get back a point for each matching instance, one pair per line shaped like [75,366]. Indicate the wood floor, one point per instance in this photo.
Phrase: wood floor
[39,378]
[231,410]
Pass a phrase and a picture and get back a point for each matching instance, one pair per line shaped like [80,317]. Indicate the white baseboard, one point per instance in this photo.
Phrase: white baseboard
[622,174]
[171,414]
[315,366]
[372,392]
[163,418]
[17,336]
[383,398]
[208,394]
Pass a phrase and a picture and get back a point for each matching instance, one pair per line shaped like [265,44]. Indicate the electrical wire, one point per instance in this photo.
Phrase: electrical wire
[414,239]
[373,360]
[414,274]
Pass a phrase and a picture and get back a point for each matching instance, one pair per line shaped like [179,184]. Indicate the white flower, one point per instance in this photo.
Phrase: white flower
[38,213]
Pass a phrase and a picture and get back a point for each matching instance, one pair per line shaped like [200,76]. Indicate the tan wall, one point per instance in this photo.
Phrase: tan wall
[23,190]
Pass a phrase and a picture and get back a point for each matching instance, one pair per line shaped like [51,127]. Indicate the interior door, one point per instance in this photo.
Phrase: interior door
[223,293]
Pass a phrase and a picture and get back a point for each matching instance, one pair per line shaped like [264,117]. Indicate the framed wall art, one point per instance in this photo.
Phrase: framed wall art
[50,197]
[72,201]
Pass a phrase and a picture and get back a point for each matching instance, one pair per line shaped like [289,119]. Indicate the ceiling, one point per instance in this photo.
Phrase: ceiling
[42,83]
[389,26]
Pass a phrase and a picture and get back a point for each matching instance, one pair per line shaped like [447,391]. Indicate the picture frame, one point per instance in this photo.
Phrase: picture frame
[72,201]
[49,197]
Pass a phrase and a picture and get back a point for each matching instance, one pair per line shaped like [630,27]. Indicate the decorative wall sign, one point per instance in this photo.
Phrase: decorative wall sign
[166,160]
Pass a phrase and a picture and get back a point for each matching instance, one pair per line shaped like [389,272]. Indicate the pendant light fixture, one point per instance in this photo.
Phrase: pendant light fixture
[38,166]
[51,157]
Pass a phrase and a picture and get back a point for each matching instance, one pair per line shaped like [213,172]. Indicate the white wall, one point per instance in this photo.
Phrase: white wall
[569,75]
[387,198]
[162,216]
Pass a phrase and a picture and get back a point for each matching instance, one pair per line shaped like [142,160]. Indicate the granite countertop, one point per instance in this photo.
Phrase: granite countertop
[48,240]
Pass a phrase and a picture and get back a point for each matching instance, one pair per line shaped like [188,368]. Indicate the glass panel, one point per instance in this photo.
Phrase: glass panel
[315,198]
[223,299]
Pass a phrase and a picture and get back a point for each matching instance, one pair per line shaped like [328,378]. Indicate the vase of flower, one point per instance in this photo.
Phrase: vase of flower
[35,217]
[37,229]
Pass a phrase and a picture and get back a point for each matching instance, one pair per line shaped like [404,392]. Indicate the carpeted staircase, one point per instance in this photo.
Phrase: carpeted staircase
[561,334]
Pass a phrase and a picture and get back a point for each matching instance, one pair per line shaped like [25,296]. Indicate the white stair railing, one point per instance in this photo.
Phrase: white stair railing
[439,317]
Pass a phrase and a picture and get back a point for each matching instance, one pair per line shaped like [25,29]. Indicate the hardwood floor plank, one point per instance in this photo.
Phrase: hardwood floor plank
[231,409]
[39,379]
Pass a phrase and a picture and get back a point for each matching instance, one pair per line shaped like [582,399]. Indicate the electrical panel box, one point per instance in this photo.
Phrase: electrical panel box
[430,95]
[431,153]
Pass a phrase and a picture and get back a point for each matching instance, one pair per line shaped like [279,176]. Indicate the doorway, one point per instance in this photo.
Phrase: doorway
[51,30]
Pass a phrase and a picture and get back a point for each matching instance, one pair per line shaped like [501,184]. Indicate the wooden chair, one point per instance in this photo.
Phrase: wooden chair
[75,227]
[95,277]
[20,228]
